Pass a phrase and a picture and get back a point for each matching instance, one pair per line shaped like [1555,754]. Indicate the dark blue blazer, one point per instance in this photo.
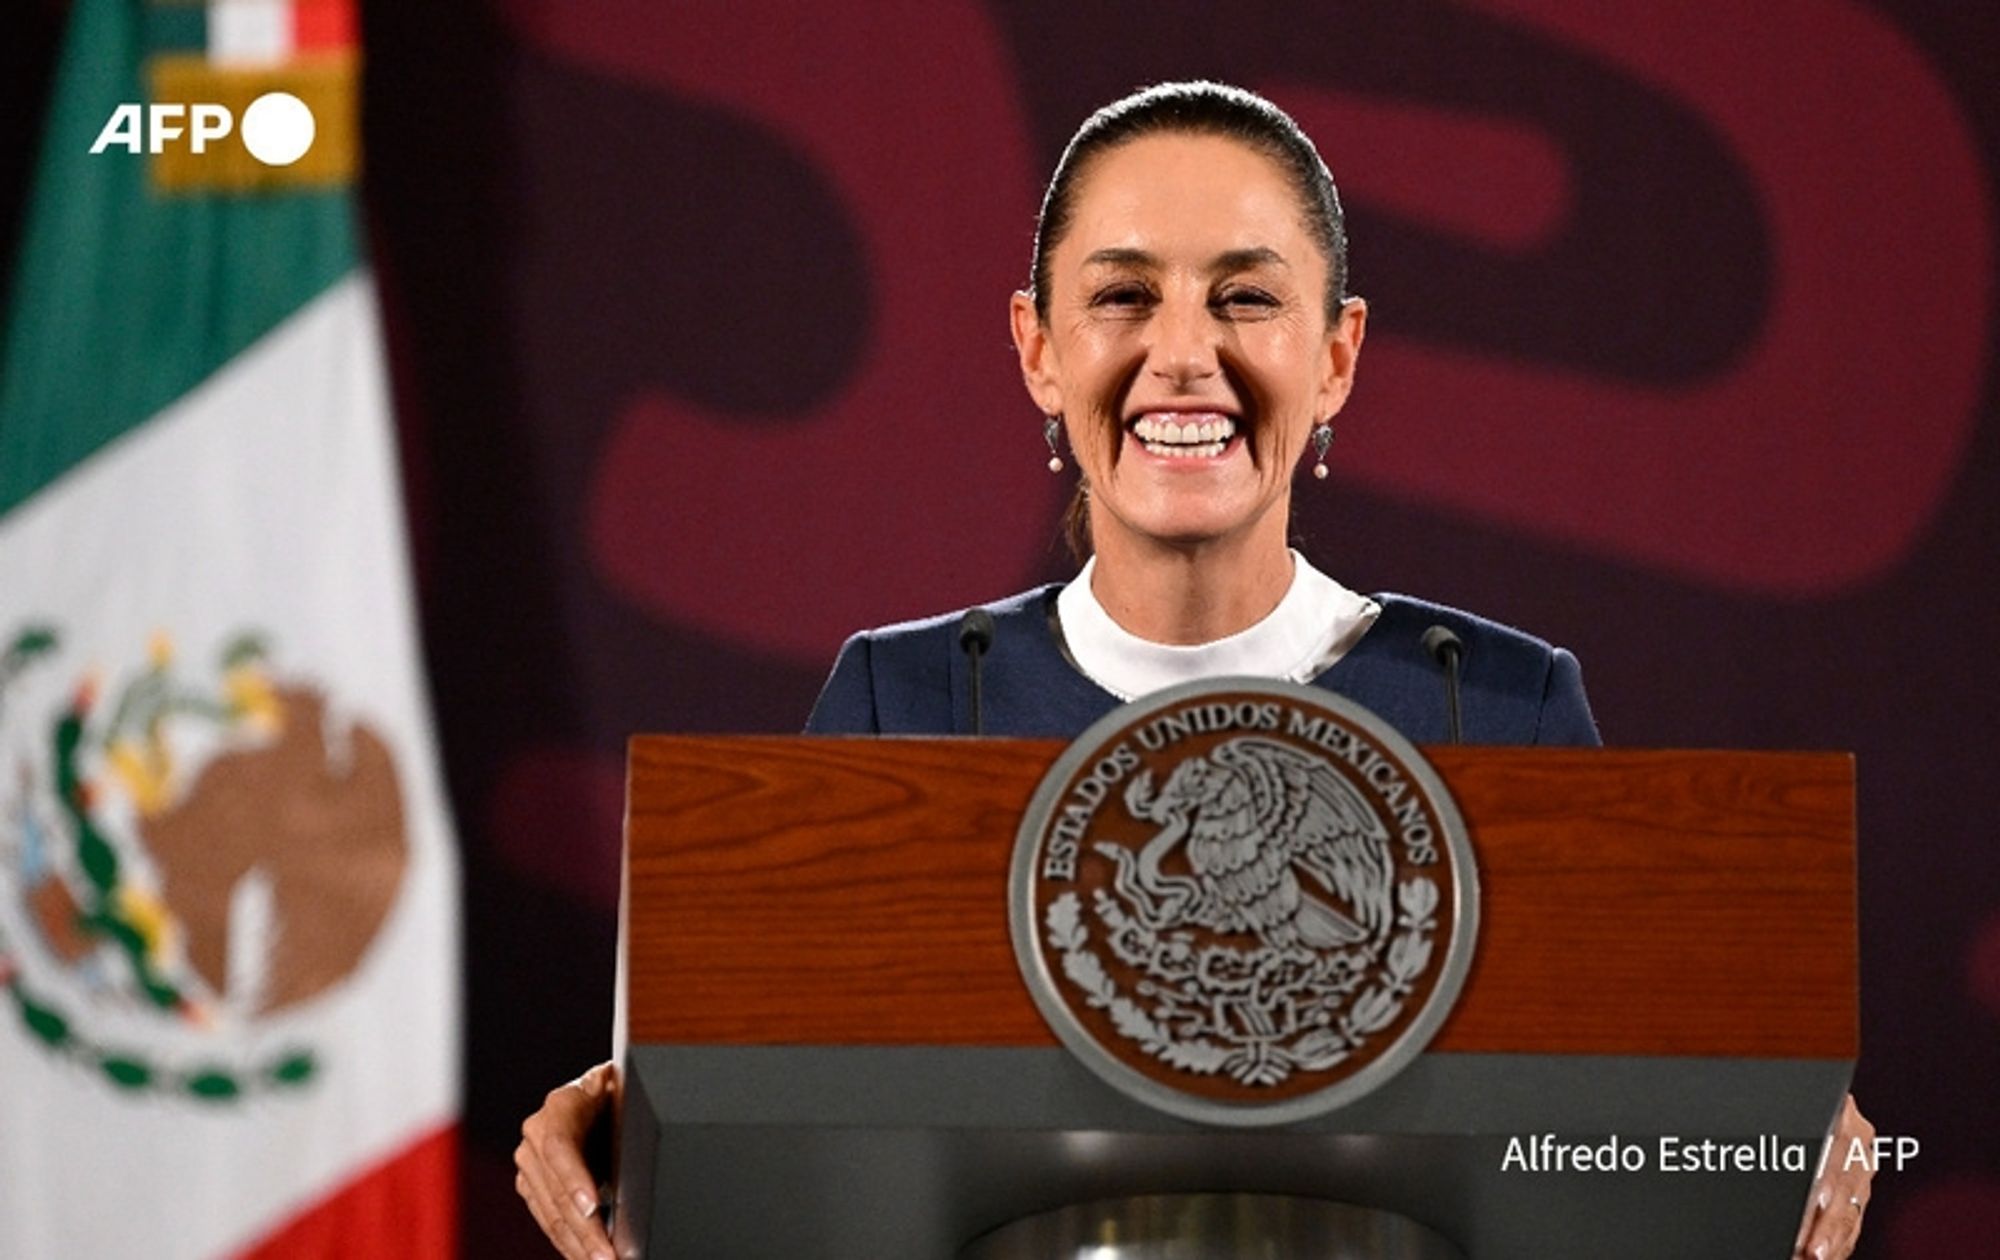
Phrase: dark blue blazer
[910,679]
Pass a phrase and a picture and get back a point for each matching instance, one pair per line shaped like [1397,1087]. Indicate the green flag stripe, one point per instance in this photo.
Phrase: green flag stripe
[125,299]
[176,28]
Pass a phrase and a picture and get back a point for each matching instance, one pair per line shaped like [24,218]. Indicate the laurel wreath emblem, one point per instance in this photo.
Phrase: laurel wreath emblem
[1256,1015]
[126,736]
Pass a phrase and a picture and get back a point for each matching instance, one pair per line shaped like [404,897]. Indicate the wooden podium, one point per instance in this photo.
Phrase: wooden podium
[828,1050]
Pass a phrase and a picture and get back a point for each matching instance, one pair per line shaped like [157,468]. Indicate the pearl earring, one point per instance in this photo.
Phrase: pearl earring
[1051,427]
[1322,437]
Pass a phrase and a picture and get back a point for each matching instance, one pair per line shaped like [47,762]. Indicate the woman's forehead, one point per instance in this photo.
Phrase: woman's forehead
[1174,194]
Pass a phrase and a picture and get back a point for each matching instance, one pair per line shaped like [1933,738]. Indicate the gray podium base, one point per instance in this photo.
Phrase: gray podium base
[1213,1227]
[860,1153]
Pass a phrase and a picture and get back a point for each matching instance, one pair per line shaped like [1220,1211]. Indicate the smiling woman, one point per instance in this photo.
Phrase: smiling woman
[1188,327]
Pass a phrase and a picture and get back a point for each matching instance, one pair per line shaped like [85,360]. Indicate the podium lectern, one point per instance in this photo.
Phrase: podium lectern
[828,1050]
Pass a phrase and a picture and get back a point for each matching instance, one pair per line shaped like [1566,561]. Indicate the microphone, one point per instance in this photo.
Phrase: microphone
[975,637]
[1448,651]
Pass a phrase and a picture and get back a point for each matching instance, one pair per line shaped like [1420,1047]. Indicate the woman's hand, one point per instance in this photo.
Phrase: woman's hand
[1832,1221]
[550,1172]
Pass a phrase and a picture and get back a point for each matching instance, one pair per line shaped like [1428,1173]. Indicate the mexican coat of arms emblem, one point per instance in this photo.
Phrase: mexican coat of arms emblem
[1243,902]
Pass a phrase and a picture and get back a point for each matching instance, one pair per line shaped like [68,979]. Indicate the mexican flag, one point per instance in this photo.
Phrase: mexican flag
[228,891]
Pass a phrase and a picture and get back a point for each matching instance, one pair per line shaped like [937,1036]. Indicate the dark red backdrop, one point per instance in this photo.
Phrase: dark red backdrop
[1681,354]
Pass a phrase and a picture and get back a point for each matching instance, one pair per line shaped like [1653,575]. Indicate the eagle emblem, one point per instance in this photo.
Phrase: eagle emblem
[191,852]
[1242,901]
[1253,817]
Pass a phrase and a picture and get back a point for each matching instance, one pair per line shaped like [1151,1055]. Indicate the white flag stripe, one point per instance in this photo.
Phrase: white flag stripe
[249,32]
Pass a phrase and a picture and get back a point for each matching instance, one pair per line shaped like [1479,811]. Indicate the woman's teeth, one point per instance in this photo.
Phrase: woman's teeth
[1193,439]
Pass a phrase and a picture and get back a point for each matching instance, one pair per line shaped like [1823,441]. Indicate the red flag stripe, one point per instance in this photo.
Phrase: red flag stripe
[404,1206]
[323,25]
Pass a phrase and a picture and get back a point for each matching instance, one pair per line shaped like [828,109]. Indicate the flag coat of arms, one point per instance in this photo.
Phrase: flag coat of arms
[228,892]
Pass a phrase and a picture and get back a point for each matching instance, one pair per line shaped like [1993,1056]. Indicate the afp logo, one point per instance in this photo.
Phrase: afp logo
[277,128]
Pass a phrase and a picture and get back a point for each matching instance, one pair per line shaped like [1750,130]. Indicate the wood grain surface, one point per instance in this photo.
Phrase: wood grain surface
[854,891]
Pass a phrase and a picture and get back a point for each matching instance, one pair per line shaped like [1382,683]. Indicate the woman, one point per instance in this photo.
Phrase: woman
[1188,329]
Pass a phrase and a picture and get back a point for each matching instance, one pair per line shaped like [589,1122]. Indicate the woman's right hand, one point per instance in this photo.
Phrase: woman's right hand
[550,1173]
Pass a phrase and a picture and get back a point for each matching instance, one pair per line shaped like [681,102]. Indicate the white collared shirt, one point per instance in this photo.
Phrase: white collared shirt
[1313,626]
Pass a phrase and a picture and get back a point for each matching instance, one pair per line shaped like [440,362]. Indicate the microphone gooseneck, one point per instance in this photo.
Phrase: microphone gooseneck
[975,637]
[1448,650]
